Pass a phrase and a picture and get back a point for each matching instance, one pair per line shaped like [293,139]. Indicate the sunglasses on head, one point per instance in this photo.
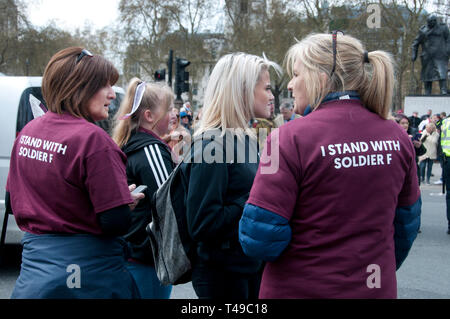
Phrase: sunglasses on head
[334,37]
[83,53]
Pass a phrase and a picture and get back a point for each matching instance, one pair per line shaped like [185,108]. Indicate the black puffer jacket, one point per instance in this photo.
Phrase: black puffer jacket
[215,202]
[149,163]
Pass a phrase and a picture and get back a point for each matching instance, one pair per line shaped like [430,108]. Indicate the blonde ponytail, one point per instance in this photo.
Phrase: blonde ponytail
[377,91]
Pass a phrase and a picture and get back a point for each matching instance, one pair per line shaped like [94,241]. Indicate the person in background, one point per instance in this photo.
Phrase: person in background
[432,119]
[72,201]
[141,122]
[436,118]
[427,115]
[415,120]
[429,139]
[445,143]
[178,137]
[440,154]
[287,114]
[186,121]
[323,228]
[238,90]
[186,108]
[414,135]
[404,122]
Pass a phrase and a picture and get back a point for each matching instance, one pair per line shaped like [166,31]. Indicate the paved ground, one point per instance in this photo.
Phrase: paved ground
[426,272]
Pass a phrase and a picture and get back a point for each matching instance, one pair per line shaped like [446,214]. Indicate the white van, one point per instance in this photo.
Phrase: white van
[15,113]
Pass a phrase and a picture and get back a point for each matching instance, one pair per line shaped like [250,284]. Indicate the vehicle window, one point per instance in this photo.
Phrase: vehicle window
[25,115]
[107,124]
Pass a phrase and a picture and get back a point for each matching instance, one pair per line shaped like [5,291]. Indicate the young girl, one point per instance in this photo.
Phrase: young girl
[143,118]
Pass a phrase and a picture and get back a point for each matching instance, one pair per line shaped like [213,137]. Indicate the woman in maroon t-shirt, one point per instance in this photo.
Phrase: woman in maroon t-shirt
[68,187]
[341,211]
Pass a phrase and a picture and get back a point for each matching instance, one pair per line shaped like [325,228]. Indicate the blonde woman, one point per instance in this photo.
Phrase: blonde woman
[143,118]
[340,214]
[429,139]
[221,175]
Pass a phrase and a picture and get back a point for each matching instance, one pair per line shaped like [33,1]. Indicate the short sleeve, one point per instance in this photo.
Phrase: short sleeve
[106,180]
[410,192]
[279,173]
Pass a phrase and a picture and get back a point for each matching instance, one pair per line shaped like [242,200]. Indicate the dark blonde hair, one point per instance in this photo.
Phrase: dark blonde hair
[68,85]
[156,97]
[374,81]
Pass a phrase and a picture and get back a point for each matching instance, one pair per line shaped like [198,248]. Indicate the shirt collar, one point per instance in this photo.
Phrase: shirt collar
[332,96]
[143,130]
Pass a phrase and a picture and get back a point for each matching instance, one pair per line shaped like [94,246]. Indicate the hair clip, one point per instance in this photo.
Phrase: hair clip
[334,34]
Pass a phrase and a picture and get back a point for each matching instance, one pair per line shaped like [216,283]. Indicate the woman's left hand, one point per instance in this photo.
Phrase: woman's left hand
[136,197]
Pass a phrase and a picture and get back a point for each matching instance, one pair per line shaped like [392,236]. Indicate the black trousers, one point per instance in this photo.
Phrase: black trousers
[215,283]
[447,186]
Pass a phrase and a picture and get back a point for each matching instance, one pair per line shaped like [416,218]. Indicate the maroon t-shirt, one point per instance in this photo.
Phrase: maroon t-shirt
[340,174]
[63,171]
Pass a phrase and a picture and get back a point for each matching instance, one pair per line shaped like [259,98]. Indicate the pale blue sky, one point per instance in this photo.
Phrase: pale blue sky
[70,15]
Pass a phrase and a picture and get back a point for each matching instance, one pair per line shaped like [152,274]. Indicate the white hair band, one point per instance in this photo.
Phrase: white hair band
[140,89]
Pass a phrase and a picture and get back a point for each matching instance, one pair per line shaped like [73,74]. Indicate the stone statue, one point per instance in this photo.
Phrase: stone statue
[435,40]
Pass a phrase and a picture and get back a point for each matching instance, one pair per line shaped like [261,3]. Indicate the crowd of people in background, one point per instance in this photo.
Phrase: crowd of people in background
[425,132]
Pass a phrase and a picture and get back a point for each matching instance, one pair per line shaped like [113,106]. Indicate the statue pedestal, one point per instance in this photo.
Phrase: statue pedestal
[423,103]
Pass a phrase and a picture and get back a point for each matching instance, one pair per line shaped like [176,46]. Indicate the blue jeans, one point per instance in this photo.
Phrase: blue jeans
[147,281]
[428,163]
